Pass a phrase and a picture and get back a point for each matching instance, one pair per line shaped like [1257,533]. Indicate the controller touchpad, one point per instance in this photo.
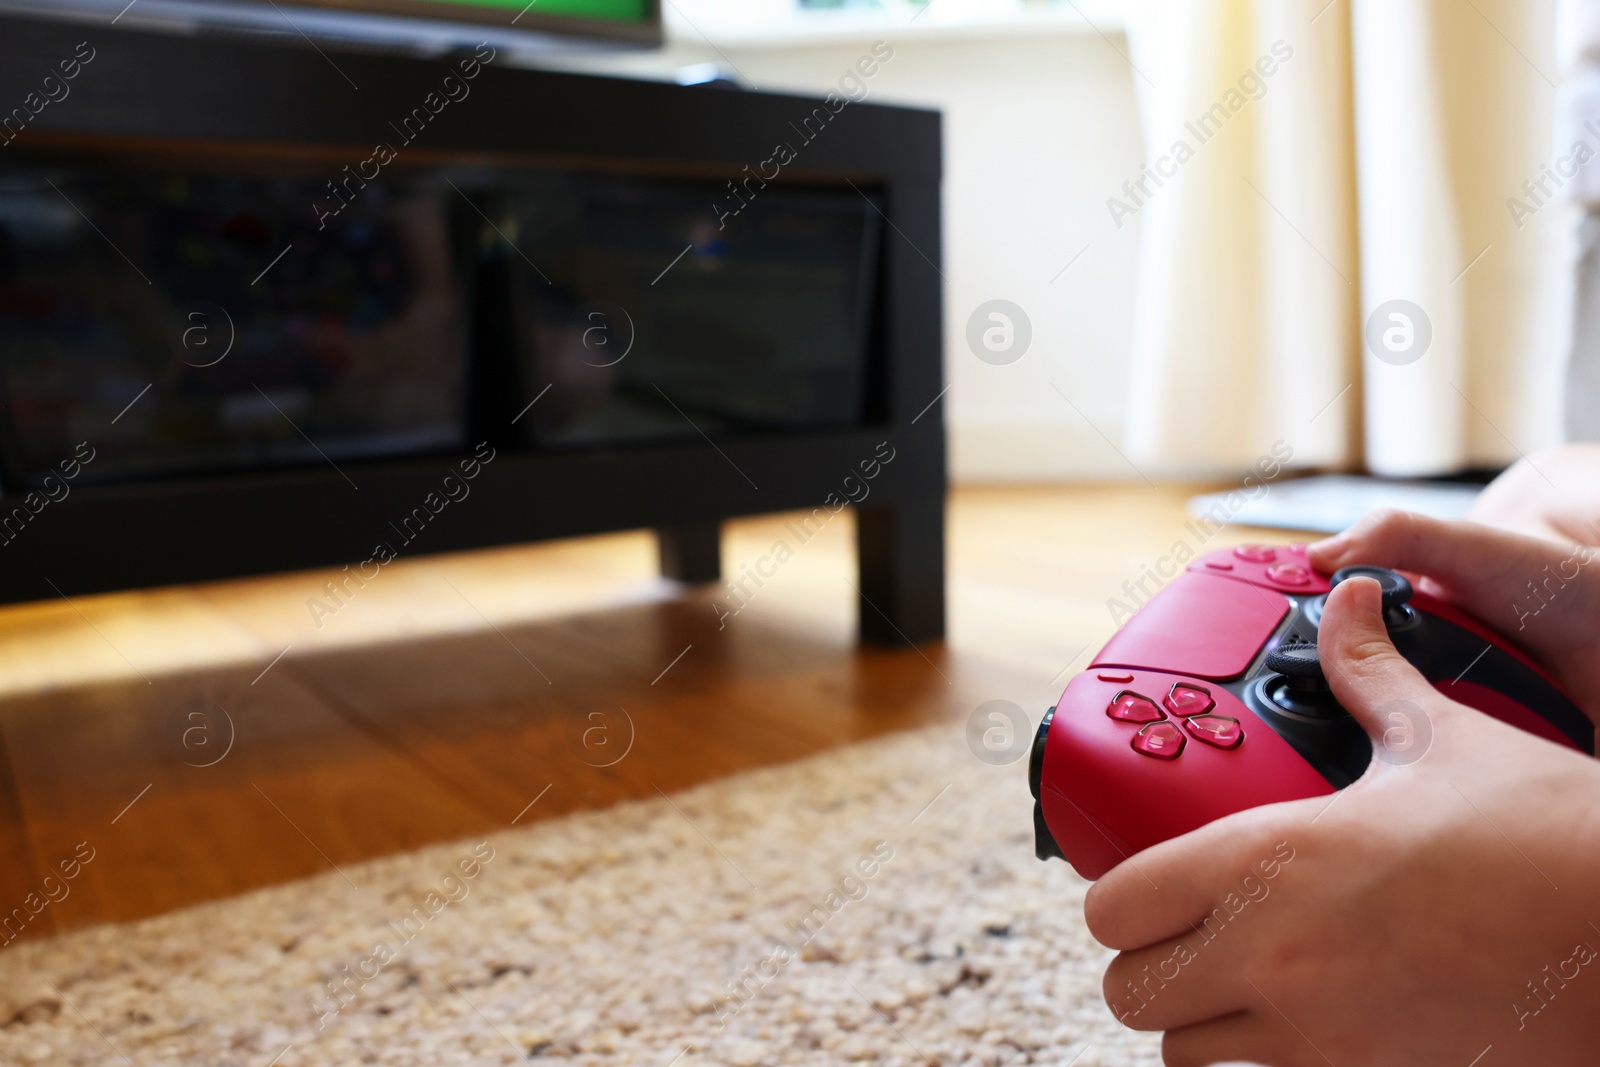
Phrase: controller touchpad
[1201,625]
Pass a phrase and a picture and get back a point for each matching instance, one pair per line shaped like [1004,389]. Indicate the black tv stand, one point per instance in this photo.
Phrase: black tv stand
[691,554]
[155,96]
[900,549]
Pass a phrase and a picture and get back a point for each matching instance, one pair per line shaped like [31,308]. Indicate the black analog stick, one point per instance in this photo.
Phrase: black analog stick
[1295,661]
[1300,664]
[1396,588]
[1300,686]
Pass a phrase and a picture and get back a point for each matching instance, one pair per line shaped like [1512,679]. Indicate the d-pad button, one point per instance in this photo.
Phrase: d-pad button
[1128,706]
[1218,731]
[1184,700]
[1162,740]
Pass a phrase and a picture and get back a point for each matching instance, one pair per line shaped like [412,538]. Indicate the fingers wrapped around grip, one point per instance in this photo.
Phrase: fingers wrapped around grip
[1484,570]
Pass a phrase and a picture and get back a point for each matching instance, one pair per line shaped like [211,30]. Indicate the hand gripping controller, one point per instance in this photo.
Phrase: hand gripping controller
[1211,700]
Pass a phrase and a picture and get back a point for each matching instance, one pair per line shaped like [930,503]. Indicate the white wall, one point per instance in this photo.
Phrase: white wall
[1040,128]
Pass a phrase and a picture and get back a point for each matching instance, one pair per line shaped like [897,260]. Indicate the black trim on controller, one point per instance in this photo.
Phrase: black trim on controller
[1036,757]
[1044,843]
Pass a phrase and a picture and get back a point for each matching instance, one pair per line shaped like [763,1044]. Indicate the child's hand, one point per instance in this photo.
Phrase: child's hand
[1443,909]
[1543,597]
[1553,494]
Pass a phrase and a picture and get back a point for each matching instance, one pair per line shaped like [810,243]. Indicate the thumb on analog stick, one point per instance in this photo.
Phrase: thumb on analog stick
[1363,668]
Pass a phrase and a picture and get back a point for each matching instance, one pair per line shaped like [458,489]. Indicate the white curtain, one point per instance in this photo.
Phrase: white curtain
[1367,176]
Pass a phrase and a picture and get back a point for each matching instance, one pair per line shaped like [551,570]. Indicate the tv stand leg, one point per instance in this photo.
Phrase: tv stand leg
[691,554]
[900,552]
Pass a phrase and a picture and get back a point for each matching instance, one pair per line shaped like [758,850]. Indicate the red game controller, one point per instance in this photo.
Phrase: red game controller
[1211,700]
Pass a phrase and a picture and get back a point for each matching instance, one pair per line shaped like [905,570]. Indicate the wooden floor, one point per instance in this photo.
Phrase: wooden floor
[206,740]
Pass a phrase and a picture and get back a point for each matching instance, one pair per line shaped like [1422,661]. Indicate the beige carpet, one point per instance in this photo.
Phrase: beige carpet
[754,920]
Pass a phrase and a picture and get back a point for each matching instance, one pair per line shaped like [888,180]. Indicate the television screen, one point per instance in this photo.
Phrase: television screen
[612,10]
[638,20]
[426,24]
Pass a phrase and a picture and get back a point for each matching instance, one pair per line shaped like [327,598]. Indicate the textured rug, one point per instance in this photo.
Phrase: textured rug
[879,902]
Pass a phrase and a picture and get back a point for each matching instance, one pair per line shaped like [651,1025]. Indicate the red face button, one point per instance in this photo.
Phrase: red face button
[1289,574]
[1183,700]
[1131,707]
[1162,740]
[1255,553]
[1218,731]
